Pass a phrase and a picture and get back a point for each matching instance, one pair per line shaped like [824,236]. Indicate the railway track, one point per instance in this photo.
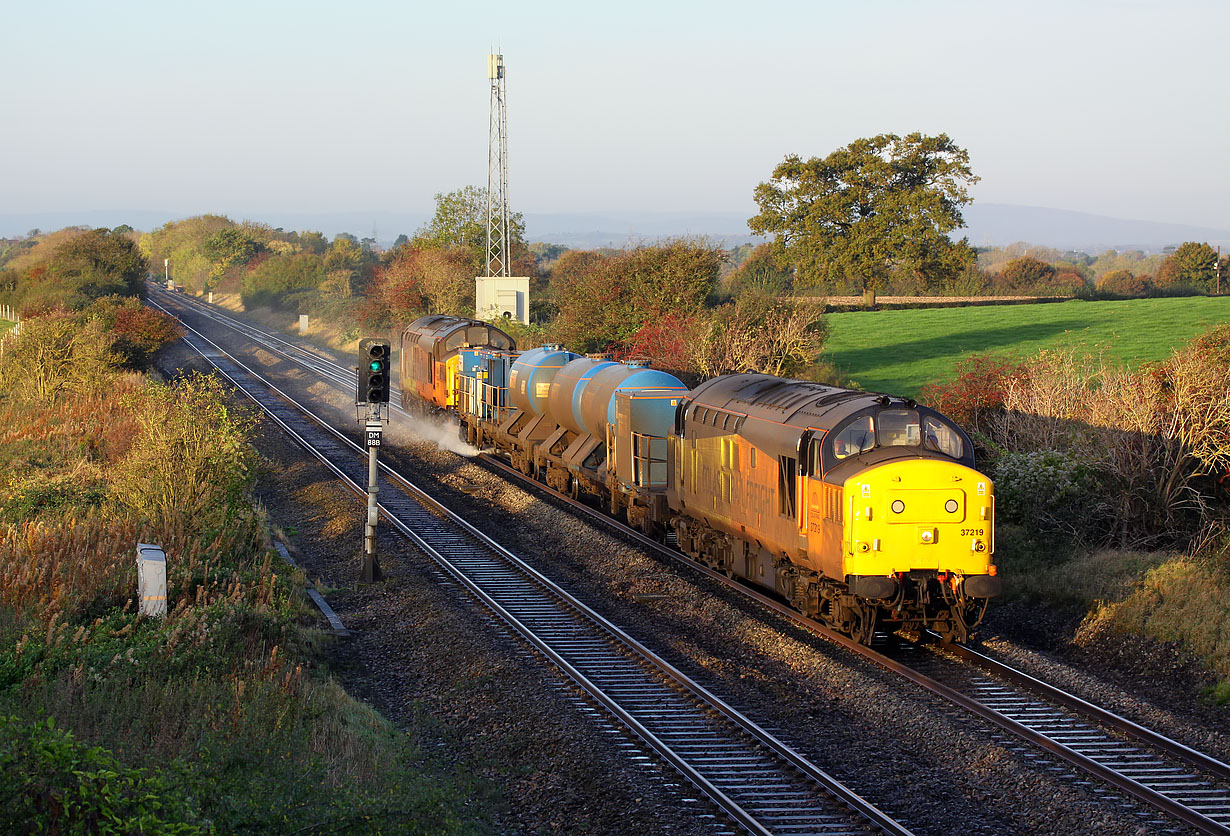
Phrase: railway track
[1160,773]
[752,777]
[1167,776]
[1163,776]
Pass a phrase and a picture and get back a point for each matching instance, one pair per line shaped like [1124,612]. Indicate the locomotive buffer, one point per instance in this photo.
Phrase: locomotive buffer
[371,395]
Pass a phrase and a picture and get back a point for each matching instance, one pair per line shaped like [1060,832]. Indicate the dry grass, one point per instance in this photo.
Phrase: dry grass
[219,697]
[73,566]
[1179,601]
[1090,580]
[320,332]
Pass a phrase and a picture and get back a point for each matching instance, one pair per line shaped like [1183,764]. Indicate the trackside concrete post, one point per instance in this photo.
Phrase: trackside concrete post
[152,580]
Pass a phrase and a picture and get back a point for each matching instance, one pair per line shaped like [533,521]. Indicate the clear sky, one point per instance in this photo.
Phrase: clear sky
[1115,107]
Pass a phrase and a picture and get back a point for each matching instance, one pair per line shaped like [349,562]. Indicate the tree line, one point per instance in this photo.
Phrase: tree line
[876,216]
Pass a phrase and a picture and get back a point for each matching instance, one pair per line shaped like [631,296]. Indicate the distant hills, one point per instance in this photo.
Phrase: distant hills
[989,224]
[997,224]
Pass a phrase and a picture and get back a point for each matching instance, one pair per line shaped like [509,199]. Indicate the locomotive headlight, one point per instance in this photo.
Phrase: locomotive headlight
[898,506]
[926,536]
[951,506]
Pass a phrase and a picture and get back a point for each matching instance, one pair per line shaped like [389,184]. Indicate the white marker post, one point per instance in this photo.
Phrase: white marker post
[152,580]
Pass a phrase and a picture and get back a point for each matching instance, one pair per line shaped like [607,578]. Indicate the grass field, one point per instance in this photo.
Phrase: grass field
[900,351]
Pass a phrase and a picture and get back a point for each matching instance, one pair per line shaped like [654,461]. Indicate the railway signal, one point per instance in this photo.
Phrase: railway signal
[374,373]
[372,390]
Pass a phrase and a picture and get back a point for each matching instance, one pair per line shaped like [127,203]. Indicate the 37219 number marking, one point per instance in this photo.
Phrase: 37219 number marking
[973,532]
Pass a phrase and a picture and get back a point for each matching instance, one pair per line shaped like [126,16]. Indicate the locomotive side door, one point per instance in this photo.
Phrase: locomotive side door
[803,457]
[824,513]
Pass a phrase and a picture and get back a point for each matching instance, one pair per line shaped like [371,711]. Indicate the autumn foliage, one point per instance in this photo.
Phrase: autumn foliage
[1101,454]
[1124,283]
[604,299]
[669,342]
[978,390]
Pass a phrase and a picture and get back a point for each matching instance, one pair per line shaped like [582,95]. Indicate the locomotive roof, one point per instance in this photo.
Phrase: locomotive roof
[433,329]
[780,400]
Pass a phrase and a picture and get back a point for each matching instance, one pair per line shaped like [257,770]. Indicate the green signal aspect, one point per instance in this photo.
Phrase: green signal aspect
[376,365]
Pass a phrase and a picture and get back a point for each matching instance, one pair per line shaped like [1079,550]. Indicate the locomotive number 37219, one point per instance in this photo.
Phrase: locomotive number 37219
[973,532]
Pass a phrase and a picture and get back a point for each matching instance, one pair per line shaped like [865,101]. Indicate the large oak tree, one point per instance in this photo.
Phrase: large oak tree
[867,210]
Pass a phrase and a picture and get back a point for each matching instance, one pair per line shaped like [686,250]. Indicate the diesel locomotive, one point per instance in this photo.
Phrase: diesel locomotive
[862,510]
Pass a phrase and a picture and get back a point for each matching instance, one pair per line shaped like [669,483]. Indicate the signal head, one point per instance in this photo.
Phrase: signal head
[374,374]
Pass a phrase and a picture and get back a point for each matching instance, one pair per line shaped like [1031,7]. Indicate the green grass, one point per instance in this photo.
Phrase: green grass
[5,325]
[900,351]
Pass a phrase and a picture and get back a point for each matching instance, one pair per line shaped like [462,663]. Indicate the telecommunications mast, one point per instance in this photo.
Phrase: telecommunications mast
[498,249]
[499,294]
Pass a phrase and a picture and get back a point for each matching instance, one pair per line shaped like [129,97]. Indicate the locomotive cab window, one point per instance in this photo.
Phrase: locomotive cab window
[787,485]
[856,437]
[938,435]
[816,455]
[455,340]
[899,428]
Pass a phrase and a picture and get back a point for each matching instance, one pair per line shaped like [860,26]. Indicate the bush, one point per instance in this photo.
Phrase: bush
[977,392]
[57,355]
[604,299]
[50,783]
[191,460]
[138,331]
[273,279]
[1056,492]
[83,266]
[1153,442]
[1123,283]
[1024,274]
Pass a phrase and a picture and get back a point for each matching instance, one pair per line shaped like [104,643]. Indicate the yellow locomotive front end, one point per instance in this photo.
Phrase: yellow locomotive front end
[919,536]
[863,510]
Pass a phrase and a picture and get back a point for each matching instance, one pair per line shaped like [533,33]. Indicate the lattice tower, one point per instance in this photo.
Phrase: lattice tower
[498,238]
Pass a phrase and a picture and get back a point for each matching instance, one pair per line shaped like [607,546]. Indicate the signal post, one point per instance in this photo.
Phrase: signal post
[371,395]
